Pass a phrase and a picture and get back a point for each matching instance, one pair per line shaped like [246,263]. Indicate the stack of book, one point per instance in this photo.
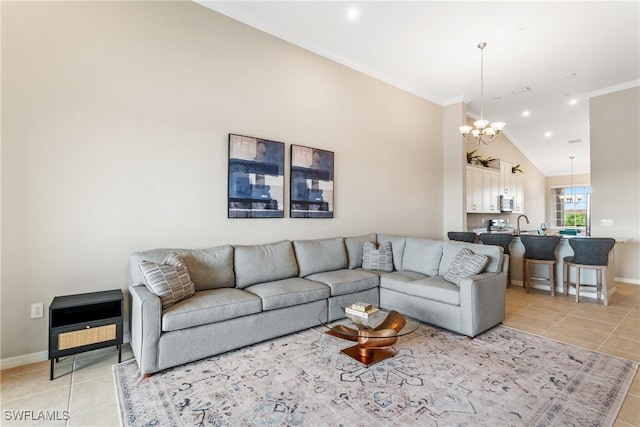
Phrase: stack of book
[360,309]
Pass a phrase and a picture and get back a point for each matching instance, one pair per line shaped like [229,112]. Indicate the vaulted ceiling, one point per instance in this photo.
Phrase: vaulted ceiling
[544,58]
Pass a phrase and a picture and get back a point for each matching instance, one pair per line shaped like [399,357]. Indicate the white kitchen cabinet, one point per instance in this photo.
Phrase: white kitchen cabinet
[483,190]
[505,178]
[517,190]
[492,181]
[474,190]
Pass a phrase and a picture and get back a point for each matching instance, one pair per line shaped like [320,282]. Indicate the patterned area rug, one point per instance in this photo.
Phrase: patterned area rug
[503,377]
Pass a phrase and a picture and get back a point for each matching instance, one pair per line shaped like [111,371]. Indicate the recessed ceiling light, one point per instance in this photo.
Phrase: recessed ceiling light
[526,113]
[573,101]
[548,134]
[353,14]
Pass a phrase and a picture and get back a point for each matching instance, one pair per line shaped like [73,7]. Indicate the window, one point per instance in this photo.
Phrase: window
[569,207]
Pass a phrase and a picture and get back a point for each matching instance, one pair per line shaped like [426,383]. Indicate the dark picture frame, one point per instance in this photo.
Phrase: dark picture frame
[311,183]
[255,178]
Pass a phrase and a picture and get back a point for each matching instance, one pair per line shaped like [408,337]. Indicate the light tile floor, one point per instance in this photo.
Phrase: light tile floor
[84,388]
[612,329]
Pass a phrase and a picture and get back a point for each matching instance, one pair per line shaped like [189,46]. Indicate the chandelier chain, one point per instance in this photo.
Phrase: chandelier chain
[481,46]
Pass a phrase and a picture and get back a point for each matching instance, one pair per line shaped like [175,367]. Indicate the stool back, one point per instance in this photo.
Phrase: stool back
[540,247]
[591,250]
[462,236]
[497,239]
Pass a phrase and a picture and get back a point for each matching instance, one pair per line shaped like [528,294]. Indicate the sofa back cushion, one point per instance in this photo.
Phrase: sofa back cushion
[264,263]
[422,256]
[451,248]
[397,247]
[210,268]
[354,247]
[318,256]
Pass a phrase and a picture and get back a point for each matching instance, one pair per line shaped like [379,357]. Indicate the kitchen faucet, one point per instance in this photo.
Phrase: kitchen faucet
[520,216]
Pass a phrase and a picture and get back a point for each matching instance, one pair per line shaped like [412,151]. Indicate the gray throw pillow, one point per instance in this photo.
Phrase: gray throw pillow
[380,258]
[465,264]
[169,280]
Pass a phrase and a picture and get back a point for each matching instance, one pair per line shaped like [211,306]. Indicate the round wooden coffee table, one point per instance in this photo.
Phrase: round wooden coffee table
[374,336]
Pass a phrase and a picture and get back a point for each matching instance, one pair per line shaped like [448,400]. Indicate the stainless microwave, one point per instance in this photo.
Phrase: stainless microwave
[506,204]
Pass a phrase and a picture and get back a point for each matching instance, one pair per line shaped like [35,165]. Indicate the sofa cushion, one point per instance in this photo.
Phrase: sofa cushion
[170,280]
[315,256]
[288,292]
[397,246]
[432,288]
[209,268]
[465,264]
[264,263]
[380,258]
[451,248]
[354,247]
[211,306]
[346,281]
[398,277]
[422,256]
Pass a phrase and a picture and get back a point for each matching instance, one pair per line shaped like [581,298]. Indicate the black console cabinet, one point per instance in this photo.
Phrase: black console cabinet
[83,322]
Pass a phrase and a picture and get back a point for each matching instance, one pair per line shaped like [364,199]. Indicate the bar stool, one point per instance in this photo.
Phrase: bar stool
[499,239]
[539,250]
[462,236]
[588,253]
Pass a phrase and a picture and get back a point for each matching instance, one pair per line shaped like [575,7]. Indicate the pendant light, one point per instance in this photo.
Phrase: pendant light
[481,131]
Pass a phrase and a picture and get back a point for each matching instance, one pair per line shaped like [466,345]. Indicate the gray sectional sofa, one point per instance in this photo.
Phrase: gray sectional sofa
[248,294]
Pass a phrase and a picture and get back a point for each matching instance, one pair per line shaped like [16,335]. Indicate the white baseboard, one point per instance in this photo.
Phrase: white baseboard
[571,291]
[627,280]
[40,356]
[25,359]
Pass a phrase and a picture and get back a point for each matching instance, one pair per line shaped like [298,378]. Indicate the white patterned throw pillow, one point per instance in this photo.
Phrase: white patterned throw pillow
[169,280]
[380,258]
[465,264]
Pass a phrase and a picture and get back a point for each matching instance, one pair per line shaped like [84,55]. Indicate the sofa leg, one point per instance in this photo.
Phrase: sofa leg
[469,338]
[145,376]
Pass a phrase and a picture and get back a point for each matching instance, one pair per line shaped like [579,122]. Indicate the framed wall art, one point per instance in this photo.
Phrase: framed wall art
[256,178]
[311,183]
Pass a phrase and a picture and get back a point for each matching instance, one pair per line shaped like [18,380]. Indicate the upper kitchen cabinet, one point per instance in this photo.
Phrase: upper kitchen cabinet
[483,190]
[505,178]
[517,192]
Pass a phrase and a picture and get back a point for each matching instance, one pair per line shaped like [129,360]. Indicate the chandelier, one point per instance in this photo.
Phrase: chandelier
[482,131]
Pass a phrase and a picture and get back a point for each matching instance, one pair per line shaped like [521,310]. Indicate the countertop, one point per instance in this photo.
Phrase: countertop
[565,237]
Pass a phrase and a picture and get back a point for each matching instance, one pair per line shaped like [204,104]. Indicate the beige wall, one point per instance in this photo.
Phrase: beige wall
[615,175]
[115,120]
[535,189]
[454,168]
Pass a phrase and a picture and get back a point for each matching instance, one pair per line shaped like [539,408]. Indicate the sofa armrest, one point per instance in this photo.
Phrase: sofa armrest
[146,312]
[482,301]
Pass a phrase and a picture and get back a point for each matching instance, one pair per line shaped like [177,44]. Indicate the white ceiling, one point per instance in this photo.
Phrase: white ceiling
[561,50]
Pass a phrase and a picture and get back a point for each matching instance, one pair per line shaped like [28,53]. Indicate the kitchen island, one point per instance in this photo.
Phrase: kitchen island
[587,277]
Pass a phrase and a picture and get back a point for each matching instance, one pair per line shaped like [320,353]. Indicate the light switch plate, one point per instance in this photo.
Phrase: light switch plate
[606,222]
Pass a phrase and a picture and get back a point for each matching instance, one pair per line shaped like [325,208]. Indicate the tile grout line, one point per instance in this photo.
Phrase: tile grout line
[626,316]
[73,371]
[554,324]
[573,313]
